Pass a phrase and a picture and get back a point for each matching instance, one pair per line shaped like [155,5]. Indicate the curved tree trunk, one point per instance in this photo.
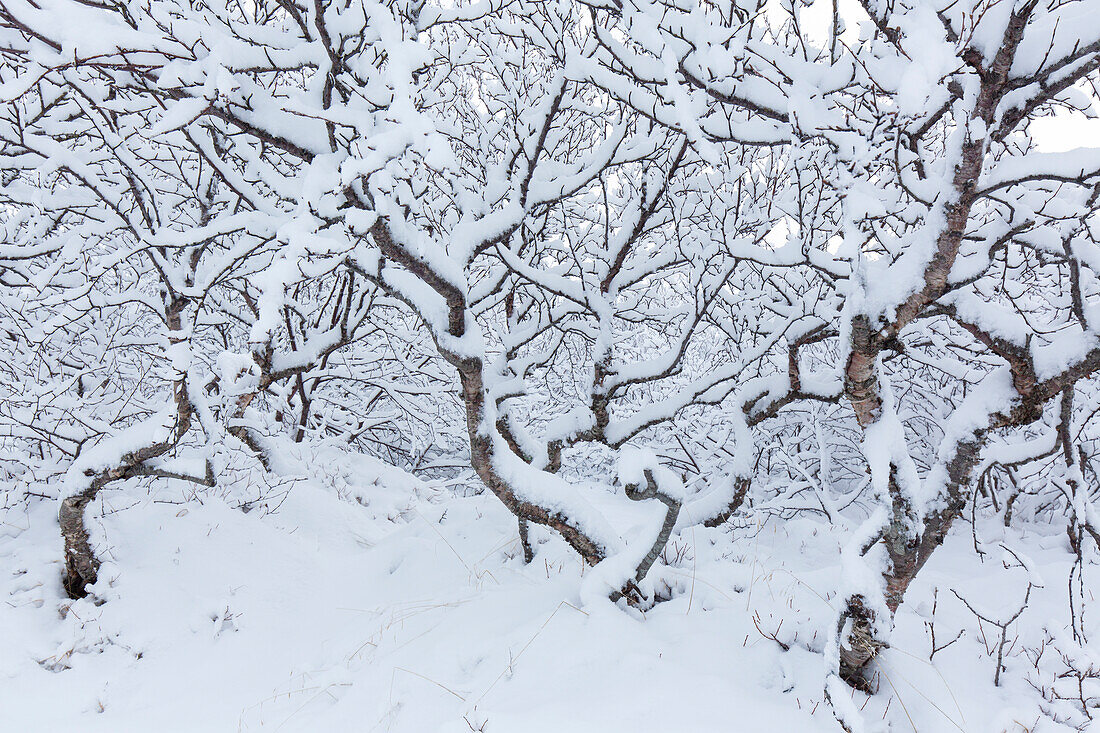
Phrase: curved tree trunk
[81,564]
[483,455]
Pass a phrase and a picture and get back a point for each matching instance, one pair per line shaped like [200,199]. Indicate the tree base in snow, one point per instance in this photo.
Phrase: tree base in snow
[81,566]
[856,654]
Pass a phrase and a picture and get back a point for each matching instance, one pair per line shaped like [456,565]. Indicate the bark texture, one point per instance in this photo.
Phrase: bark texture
[910,542]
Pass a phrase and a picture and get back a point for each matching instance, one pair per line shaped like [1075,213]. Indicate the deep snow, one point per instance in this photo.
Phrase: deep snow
[366,600]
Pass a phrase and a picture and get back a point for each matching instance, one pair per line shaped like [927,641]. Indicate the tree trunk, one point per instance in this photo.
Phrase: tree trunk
[482,455]
[81,564]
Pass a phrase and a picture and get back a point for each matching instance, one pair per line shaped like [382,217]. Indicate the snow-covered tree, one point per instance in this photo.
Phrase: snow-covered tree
[805,257]
[961,248]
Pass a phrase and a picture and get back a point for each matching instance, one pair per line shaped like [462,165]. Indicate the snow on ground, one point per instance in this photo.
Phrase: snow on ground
[379,603]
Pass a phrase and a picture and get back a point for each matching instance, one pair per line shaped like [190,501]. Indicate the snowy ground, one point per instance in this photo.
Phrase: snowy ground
[383,604]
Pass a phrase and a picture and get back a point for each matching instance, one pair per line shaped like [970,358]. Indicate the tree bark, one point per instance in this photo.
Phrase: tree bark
[908,550]
[81,564]
[483,455]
